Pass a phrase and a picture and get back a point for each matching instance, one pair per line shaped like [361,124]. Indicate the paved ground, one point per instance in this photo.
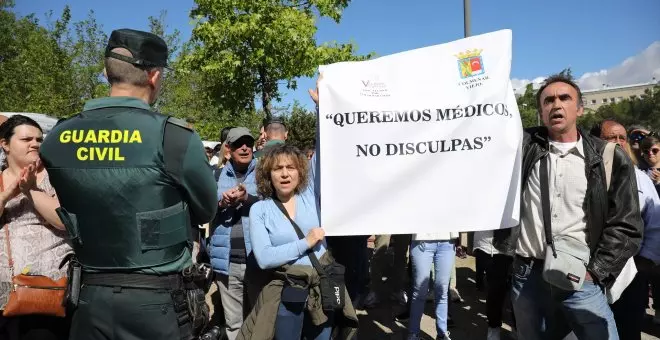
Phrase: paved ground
[469,316]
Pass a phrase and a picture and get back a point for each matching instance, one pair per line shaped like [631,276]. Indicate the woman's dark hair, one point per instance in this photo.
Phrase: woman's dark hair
[8,128]
[266,164]
[649,142]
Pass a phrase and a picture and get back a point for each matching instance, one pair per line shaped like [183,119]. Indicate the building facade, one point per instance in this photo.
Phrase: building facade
[593,99]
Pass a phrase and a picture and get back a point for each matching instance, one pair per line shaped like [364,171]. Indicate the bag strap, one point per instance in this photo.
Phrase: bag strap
[10,259]
[545,203]
[312,257]
[608,159]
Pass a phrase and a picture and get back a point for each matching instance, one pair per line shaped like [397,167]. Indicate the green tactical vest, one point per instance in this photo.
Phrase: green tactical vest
[120,207]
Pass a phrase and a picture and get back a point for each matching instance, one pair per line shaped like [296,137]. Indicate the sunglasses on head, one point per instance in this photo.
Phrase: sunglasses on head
[637,137]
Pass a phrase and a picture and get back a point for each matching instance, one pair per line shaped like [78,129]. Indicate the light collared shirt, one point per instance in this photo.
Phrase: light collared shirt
[649,204]
[567,184]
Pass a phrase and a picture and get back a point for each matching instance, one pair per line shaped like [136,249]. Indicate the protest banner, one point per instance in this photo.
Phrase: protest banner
[421,141]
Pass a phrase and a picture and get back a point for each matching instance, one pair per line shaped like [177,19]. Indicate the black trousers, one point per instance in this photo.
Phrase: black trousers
[498,273]
[629,310]
[121,313]
[34,327]
[351,252]
[482,261]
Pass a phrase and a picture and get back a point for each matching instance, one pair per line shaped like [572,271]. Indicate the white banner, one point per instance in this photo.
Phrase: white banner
[421,141]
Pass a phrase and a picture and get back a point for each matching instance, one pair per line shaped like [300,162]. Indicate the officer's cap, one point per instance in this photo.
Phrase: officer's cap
[148,49]
[273,120]
[238,133]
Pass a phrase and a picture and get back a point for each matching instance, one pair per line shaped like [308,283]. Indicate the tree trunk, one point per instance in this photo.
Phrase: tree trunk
[266,89]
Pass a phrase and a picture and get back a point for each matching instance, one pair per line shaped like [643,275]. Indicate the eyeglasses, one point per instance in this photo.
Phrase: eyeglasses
[653,151]
[249,142]
[615,138]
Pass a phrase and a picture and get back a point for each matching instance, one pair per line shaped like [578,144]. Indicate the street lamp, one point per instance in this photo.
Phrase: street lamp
[466,18]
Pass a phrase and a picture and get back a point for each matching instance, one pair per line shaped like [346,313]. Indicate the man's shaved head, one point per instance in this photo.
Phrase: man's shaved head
[121,72]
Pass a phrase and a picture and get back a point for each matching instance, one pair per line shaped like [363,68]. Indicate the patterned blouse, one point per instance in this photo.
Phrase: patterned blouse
[35,245]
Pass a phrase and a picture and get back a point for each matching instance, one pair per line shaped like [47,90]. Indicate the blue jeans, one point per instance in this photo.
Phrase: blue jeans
[423,254]
[544,312]
[292,324]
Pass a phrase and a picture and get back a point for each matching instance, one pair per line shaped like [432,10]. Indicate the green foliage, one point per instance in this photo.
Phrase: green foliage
[49,69]
[34,72]
[87,48]
[185,93]
[527,107]
[302,127]
[53,68]
[248,48]
[645,111]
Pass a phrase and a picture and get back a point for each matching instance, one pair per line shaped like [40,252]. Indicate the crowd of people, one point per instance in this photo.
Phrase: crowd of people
[586,209]
[609,227]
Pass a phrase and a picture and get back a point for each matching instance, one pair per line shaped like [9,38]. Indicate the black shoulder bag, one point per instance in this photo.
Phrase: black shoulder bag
[333,288]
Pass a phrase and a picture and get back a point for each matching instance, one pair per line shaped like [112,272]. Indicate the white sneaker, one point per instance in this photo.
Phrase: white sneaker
[494,333]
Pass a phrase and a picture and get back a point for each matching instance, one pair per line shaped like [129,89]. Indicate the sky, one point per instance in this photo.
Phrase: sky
[612,42]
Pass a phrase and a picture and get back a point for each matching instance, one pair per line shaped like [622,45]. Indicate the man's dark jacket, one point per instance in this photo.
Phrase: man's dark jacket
[614,224]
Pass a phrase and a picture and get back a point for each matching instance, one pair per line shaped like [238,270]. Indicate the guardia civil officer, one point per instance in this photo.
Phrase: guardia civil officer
[131,182]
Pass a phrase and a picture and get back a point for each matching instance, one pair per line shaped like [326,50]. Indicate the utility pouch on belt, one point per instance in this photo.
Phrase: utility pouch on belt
[196,281]
[74,271]
[180,306]
[73,288]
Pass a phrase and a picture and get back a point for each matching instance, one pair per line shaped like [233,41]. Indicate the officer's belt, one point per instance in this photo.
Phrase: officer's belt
[133,280]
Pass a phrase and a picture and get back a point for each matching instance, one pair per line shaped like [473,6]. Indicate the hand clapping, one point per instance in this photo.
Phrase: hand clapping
[233,196]
[27,179]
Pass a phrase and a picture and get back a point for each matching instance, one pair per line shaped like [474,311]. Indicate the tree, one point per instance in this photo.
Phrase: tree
[644,111]
[527,107]
[35,72]
[158,26]
[302,127]
[87,50]
[49,69]
[248,48]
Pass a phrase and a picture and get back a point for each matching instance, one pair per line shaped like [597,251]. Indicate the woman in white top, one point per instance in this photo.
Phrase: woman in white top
[30,227]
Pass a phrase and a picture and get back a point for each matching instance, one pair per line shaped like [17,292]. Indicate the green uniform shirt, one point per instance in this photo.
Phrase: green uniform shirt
[269,144]
[187,165]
